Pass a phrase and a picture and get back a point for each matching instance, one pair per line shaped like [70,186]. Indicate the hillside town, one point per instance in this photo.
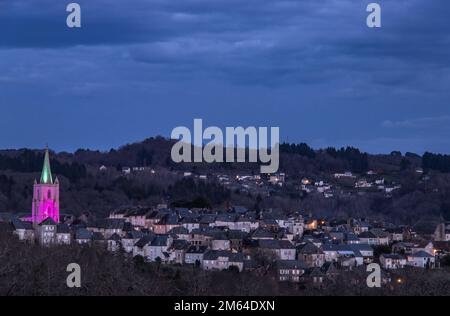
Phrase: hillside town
[298,246]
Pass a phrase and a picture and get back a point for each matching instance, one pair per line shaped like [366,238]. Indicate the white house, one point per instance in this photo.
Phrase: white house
[421,259]
[63,236]
[392,261]
[221,260]
[46,232]
[195,254]
[157,248]
[282,249]
[130,239]
[23,230]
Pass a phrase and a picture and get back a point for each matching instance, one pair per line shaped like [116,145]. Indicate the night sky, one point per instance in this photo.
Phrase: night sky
[140,68]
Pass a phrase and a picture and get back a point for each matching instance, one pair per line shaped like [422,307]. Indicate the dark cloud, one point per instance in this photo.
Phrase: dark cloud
[313,66]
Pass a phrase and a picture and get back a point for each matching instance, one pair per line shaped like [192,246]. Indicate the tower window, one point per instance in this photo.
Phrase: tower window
[49,195]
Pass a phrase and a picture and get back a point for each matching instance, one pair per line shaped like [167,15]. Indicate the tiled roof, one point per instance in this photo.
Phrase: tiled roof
[310,248]
[48,222]
[291,264]
[62,229]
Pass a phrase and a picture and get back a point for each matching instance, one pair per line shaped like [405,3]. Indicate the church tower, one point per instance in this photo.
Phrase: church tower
[45,195]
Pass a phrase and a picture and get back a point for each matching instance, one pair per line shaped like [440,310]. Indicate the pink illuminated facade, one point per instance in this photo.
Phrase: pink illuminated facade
[45,195]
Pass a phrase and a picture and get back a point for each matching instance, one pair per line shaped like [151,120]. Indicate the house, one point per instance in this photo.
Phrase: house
[202,236]
[236,238]
[46,232]
[413,247]
[190,223]
[308,238]
[362,253]
[194,254]
[141,246]
[222,260]
[83,236]
[220,241]
[348,261]
[395,234]
[177,251]
[421,259]
[137,217]
[158,248]
[424,245]
[441,249]
[311,255]
[314,276]
[119,213]
[442,232]
[63,236]
[98,239]
[337,234]
[318,276]
[403,247]
[130,239]
[23,230]
[351,239]
[359,226]
[107,227]
[245,223]
[166,223]
[151,218]
[381,235]
[225,220]
[296,226]
[263,234]
[371,239]
[114,243]
[282,249]
[269,224]
[180,232]
[207,220]
[392,261]
[290,270]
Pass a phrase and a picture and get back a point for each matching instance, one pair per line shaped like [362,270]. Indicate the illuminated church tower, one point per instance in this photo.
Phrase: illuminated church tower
[45,195]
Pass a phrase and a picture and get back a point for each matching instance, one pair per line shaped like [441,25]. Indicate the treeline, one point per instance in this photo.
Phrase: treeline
[29,161]
[356,160]
[437,162]
[301,149]
[200,193]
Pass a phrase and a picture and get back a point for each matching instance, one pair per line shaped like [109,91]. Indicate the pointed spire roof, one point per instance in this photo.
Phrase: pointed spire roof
[46,175]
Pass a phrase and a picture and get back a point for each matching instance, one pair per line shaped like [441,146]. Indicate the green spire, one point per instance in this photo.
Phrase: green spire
[46,176]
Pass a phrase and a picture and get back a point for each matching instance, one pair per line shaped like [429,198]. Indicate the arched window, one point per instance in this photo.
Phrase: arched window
[49,195]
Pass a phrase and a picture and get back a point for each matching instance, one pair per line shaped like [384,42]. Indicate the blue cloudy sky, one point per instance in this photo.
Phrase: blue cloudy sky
[140,68]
